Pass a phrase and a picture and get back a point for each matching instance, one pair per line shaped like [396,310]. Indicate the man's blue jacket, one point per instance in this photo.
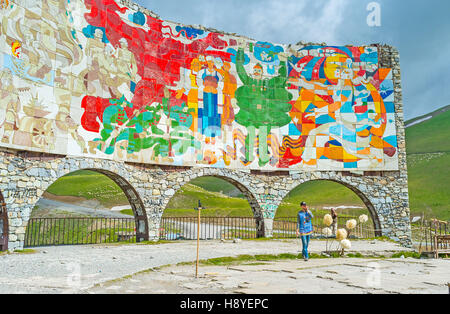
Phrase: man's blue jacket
[304,223]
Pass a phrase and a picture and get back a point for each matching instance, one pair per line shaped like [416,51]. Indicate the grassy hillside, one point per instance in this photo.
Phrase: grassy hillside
[217,204]
[89,185]
[429,184]
[432,114]
[429,136]
[319,194]
[428,156]
[213,184]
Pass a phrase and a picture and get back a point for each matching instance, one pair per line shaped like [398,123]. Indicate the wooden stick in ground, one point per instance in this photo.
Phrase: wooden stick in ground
[198,242]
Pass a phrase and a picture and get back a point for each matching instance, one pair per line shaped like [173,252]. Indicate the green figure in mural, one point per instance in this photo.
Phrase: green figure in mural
[264,104]
[140,131]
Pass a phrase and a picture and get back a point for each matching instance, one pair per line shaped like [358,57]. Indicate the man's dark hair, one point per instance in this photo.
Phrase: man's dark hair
[302,203]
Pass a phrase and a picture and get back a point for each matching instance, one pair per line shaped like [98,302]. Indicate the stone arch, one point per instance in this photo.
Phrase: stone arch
[4,230]
[241,180]
[135,202]
[353,188]
[119,173]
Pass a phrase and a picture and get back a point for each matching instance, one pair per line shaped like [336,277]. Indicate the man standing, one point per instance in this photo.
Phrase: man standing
[304,228]
[334,215]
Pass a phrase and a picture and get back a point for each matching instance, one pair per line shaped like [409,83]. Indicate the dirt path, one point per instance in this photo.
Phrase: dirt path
[86,208]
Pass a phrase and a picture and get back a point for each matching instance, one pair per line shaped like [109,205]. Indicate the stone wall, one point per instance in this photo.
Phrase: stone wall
[24,176]
[23,180]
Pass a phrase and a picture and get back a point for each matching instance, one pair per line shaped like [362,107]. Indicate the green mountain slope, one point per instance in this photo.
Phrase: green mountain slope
[89,185]
[428,156]
[320,194]
[431,135]
[429,184]
[216,203]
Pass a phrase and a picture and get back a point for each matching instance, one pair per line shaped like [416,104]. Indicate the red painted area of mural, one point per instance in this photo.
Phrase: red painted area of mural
[93,107]
[158,58]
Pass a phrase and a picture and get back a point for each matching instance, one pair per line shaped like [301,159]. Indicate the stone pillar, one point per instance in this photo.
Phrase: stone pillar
[389,57]
[268,227]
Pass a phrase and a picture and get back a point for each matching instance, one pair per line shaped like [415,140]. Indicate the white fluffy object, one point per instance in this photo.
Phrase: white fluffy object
[327,220]
[341,234]
[363,218]
[327,232]
[346,244]
[350,224]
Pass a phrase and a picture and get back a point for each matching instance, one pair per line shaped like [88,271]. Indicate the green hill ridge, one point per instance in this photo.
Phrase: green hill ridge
[428,156]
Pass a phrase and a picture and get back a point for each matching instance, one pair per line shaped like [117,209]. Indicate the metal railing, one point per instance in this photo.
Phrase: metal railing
[286,227]
[72,231]
[178,228]
[424,233]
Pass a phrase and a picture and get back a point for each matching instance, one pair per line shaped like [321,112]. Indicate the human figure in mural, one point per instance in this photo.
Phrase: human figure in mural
[209,113]
[67,124]
[349,117]
[35,129]
[32,129]
[138,131]
[126,71]
[39,61]
[264,104]
[179,118]
[3,5]
[191,87]
[229,89]
[167,105]
[9,102]
[99,65]
[127,132]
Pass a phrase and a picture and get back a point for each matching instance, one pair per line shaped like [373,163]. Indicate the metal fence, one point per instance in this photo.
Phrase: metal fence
[423,234]
[64,231]
[177,228]
[286,227]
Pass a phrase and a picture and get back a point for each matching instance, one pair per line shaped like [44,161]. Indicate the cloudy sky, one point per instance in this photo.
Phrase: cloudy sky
[419,29]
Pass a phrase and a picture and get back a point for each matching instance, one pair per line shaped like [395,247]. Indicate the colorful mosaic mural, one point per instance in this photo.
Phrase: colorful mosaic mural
[95,78]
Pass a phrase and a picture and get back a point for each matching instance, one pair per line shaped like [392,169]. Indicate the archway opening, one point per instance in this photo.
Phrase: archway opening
[229,211]
[87,207]
[321,197]
[4,230]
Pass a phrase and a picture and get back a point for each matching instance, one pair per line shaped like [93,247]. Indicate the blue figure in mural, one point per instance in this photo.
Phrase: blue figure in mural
[267,53]
[189,32]
[211,124]
[137,18]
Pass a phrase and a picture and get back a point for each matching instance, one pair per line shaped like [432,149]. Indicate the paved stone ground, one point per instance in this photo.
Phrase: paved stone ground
[80,269]
[317,276]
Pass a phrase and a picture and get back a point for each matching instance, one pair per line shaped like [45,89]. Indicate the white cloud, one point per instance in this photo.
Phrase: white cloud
[297,20]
